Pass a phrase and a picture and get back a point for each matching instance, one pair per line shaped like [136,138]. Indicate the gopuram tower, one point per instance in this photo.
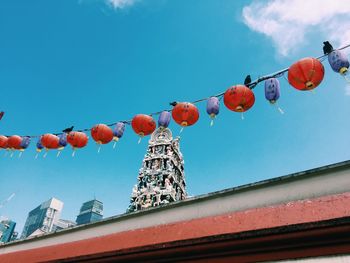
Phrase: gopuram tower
[161,179]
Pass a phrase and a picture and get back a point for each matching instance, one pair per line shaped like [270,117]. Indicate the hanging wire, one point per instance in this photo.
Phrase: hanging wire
[251,85]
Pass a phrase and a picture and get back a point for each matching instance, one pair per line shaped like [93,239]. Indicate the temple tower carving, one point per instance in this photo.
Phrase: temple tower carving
[161,179]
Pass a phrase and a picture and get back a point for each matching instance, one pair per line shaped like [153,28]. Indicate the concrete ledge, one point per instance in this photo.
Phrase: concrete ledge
[327,180]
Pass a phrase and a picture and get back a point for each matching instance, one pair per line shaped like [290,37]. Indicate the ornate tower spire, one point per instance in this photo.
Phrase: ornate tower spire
[161,179]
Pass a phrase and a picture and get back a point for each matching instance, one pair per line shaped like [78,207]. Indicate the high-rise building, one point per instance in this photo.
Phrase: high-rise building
[43,218]
[90,211]
[7,228]
[161,179]
[63,224]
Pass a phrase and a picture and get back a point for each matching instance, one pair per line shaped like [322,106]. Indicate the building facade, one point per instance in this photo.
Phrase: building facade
[63,224]
[43,218]
[161,179]
[90,211]
[7,228]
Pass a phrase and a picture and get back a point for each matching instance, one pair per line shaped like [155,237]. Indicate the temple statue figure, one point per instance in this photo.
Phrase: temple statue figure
[161,179]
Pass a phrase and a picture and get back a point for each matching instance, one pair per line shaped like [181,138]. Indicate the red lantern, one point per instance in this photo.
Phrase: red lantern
[102,134]
[185,114]
[3,142]
[143,124]
[50,141]
[77,139]
[239,98]
[306,74]
[14,142]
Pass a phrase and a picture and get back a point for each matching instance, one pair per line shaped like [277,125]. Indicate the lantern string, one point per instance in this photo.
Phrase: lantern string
[250,85]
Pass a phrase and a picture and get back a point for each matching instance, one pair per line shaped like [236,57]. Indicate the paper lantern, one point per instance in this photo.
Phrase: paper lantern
[164,119]
[143,124]
[213,107]
[239,98]
[39,145]
[338,62]
[272,90]
[25,143]
[3,142]
[77,139]
[62,142]
[50,141]
[14,142]
[185,114]
[118,132]
[102,134]
[306,74]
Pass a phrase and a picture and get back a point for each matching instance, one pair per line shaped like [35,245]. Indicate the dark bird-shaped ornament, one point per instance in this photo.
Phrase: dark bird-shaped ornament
[68,130]
[173,103]
[247,80]
[327,48]
[1,114]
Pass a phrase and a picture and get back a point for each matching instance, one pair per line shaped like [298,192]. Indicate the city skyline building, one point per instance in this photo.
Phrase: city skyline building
[43,218]
[161,179]
[63,224]
[7,230]
[90,211]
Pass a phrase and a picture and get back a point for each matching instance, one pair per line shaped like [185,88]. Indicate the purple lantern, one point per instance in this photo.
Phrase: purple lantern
[62,140]
[39,146]
[164,119]
[338,62]
[62,143]
[272,90]
[25,143]
[118,132]
[213,108]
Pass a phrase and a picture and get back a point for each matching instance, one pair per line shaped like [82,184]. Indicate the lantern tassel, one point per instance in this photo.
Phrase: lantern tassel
[20,154]
[11,155]
[182,128]
[36,156]
[212,117]
[347,79]
[58,154]
[99,148]
[279,108]
[242,116]
[139,140]
[45,154]
[5,154]
[114,144]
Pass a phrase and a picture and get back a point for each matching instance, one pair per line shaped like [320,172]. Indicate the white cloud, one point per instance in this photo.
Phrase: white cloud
[287,22]
[120,4]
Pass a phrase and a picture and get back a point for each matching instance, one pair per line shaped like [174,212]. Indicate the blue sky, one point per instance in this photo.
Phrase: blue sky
[85,62]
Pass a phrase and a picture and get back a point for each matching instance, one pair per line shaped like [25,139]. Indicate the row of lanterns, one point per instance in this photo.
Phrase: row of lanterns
[305,74]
